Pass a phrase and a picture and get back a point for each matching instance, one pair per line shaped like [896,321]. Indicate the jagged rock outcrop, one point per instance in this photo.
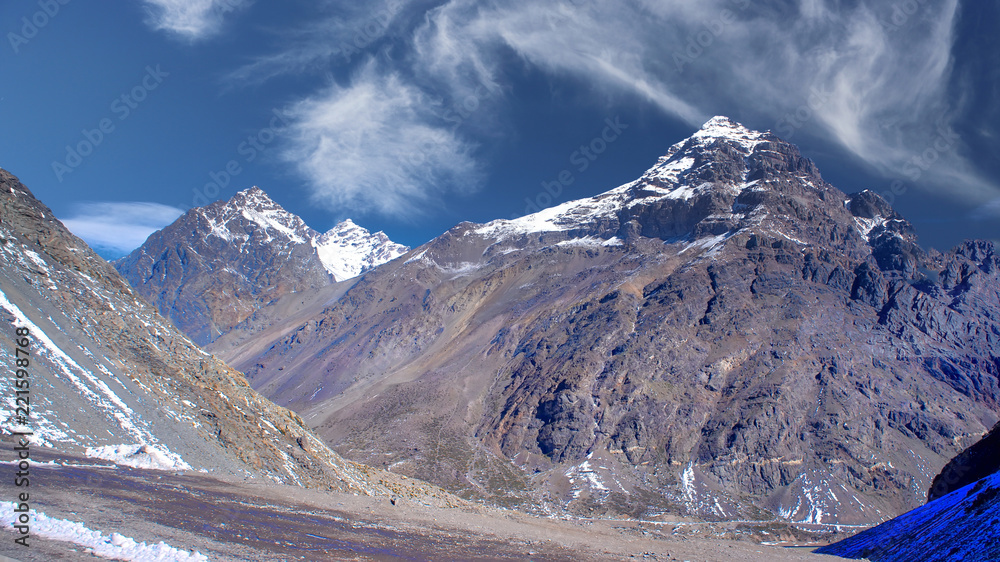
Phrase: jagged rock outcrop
[975,463]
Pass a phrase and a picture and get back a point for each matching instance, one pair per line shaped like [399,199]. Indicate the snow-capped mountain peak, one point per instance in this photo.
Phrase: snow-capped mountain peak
[715,158]
[721,127]
[228,220]
[217,265]
[348,250]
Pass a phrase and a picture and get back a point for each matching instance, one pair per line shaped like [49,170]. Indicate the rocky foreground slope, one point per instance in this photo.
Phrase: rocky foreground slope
[961,520]
[217,265]
[109,378]
[973,464]
[728,336]
[960,525]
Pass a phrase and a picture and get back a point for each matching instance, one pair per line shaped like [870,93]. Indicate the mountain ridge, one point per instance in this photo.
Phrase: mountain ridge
[216,265]
[703,338]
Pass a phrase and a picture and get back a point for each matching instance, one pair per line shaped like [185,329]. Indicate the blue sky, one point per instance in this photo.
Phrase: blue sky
[411,116]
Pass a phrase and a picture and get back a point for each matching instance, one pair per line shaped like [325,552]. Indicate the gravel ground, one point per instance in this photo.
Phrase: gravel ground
[231,520]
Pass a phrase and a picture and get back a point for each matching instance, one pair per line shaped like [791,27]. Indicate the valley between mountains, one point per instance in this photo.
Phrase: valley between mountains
[728,336]
[727,341]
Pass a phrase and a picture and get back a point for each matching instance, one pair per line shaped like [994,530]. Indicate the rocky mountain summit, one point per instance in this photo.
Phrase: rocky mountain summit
[110,379]
[728,336]
[216,265]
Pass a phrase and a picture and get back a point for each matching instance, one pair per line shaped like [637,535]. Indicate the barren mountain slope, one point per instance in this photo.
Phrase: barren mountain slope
[728,336]
[111,379]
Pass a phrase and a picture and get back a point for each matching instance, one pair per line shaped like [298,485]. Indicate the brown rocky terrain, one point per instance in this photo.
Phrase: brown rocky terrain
[111,379]
[729,337]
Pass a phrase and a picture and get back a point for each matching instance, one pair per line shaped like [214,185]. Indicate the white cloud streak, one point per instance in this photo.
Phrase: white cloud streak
[867,76]
[373,145]
[190,19]
[119,227]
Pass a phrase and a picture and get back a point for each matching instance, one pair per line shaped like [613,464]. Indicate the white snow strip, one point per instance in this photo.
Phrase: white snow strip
[687,481]
[109,402]
[707,243]
[113,546]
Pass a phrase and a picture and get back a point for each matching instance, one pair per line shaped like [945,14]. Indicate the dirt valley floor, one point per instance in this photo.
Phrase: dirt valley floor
[228,520]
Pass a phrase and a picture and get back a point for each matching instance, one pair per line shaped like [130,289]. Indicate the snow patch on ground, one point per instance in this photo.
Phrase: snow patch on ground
[156,457]
[584,475]
[113,546]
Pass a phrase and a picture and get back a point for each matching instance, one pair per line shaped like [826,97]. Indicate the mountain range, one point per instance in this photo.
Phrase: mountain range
[106,378]
[728,336]
[215,265]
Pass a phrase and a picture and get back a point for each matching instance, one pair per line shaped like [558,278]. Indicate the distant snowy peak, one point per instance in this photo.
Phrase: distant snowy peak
[348,250]
[252,207]
[217,265]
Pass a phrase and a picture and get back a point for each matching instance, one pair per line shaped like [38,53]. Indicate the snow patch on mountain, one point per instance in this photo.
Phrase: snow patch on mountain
[567,216]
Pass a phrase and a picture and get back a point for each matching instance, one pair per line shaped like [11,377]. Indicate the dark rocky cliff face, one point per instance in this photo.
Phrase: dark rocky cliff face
[729,336]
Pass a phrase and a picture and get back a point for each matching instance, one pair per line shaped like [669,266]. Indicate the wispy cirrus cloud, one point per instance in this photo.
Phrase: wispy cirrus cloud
[117,228]
[190,19]
[866,76]
[349,32]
